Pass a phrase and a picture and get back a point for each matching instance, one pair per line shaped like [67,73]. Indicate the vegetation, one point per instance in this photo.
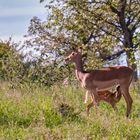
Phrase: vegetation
[11,65]
[32,112]
[105,29]
[34,104]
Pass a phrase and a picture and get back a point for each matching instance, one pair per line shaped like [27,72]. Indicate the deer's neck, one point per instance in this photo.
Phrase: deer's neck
[79,69]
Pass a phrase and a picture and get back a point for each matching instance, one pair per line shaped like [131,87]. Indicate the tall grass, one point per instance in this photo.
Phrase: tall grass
[57,113]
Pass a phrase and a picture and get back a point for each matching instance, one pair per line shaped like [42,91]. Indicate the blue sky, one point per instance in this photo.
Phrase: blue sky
[15,17]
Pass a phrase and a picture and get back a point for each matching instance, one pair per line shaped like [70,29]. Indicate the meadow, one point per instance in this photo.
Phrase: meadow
[31,112]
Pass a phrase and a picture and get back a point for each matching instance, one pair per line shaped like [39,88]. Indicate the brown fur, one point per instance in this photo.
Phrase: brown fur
[96,80]
[109,97]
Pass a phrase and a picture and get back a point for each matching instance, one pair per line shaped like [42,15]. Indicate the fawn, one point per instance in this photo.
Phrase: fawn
[110,97]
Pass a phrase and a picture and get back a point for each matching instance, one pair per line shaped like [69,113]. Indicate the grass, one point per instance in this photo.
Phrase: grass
[58,113]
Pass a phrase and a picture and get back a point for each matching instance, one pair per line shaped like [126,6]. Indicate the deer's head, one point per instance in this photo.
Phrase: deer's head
[73,56]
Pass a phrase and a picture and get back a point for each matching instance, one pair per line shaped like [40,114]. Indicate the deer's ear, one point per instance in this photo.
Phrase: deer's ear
[79,50]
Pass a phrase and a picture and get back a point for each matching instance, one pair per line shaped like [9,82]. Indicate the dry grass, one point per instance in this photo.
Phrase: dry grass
[32,112]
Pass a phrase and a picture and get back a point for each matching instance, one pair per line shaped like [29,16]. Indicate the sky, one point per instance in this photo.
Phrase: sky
[15,16]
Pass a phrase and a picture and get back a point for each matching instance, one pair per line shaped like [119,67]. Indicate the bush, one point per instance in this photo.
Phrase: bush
[11,66]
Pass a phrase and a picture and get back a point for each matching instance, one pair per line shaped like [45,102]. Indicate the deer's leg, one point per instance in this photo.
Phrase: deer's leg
[90,105]
[88,108]
[114,106]
[86,97]
[94,102]
[128,99]
[94,99]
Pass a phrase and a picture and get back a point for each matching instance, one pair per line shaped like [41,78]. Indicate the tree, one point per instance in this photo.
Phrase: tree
[105,29]
[11,66]
[125,21]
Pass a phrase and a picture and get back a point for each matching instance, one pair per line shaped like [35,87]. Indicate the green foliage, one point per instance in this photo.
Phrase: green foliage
[11,114]
[104,30]
[126,130]
[11,65]
[4,48]
[32,112]
[52,119]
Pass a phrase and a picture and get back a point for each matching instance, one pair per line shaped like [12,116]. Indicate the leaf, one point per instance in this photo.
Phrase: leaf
[41,1]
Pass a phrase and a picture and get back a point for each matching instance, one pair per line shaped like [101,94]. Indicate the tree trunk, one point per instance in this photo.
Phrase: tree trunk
[128,37]
[134,67]
[131,62]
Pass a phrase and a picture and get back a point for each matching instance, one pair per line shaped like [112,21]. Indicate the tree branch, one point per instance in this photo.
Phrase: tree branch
[109,33]
[132,20]
[88,39]
[123,5]
[113,56]
[114,10]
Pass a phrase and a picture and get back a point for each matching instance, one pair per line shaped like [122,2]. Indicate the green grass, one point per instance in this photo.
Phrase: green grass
[58,113]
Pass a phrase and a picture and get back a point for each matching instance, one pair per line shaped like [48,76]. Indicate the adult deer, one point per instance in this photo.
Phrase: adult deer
[96,80]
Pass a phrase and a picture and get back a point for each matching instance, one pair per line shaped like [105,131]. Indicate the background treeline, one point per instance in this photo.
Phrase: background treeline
[15,68]
[108,31]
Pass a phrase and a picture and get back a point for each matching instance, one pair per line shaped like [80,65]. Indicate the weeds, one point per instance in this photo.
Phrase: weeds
[59,113]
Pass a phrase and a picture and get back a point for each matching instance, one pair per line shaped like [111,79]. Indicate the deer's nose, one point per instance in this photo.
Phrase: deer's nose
[66,60]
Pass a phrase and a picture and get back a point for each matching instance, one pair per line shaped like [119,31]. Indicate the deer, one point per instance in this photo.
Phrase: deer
[101,79]
[110,97]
